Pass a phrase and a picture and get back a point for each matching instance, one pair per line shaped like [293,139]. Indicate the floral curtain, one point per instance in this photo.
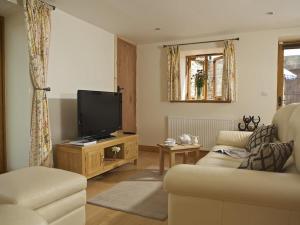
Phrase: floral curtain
[229,73]
[174,89]
[38,23]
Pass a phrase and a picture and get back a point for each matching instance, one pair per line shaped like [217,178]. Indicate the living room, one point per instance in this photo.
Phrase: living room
[184,72]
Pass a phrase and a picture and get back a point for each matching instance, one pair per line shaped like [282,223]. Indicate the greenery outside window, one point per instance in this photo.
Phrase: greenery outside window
[204,77]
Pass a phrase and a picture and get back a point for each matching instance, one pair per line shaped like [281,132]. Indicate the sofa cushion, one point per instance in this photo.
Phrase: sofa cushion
[35,187]
[263,134]
[294,134]
[283,120]
[233,138]
[289,166]
[62,207]
[268,157]
[18,215]
[220,160]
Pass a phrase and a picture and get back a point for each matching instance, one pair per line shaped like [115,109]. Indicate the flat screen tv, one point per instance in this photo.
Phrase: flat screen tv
[99,113]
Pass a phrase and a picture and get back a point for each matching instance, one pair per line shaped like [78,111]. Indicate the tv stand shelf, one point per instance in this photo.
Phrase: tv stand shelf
[98,158]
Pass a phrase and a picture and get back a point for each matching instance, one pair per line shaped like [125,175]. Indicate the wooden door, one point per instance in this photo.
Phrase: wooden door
[2,102]
[126,76]
[288,78]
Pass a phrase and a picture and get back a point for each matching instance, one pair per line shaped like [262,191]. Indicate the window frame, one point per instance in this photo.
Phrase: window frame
[280,67]
[188,99]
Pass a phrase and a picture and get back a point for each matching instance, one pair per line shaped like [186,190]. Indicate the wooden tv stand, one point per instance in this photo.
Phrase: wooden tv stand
[98,158]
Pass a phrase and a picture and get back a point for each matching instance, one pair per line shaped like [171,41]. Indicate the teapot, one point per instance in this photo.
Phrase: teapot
[185,139]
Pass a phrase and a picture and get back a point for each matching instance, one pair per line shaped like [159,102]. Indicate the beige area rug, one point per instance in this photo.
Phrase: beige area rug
[141,194]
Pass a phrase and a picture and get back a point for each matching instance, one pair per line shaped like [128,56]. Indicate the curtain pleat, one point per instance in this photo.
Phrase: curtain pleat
[38,23]
[174,88]
[229,73]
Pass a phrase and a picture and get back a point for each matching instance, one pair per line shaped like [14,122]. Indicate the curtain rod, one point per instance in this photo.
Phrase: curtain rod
[202,42]
[52,6]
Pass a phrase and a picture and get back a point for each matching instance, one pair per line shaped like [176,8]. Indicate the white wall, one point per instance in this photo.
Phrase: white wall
[81,57]
[18,92]
[256,55]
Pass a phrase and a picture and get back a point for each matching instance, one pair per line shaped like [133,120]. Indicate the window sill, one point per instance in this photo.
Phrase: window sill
[199,101]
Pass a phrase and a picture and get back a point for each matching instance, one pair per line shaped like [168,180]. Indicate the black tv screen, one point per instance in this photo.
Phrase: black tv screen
[99,113]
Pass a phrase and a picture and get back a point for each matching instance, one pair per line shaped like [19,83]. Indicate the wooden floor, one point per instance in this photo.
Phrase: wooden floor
[102,216]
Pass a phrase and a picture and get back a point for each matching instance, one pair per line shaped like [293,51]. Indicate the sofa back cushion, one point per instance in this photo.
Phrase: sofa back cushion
[287,120]
[294,125]
[281,120]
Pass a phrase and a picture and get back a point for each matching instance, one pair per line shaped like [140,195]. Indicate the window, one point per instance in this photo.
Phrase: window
[204,77]
[288,84]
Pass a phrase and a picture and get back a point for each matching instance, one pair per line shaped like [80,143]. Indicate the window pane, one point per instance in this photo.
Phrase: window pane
[196,64]
[211,66]
[219,75]
[291,76]
[211,74]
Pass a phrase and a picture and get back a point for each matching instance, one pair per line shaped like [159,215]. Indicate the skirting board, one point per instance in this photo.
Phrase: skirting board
[148,148]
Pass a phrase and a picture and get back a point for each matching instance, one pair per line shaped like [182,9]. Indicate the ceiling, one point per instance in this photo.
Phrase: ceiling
[136,20]
[7,7]
[179,19]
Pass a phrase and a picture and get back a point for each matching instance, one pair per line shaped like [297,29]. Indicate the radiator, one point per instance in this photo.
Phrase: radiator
[206,129]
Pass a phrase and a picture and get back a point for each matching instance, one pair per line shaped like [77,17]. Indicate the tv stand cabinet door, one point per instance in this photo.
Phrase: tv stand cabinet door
[94,162]
[131,150]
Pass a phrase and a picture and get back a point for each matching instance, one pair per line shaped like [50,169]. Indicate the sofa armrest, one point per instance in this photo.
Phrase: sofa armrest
[233,138]
[277,190]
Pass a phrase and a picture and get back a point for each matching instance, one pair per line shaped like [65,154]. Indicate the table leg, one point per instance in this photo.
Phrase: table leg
[162,161]
[172,159]
[185,157]
[197,156]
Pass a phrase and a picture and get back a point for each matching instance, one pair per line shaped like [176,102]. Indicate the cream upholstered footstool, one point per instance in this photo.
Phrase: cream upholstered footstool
[18,215]
[56,195]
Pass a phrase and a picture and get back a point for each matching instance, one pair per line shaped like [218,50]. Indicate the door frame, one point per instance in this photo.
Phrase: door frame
[2,100]
[280,75]
[280,67]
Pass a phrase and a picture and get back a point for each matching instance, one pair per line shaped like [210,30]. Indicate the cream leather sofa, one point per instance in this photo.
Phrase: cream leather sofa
[215,192]
[42,196]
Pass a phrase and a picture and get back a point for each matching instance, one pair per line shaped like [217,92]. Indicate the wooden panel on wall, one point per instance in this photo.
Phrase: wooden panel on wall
[126,76]
[2,102]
